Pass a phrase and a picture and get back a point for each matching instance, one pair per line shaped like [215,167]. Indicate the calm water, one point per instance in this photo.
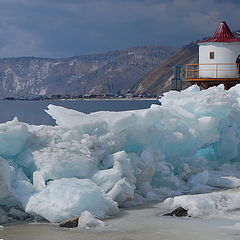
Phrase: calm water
[33,111]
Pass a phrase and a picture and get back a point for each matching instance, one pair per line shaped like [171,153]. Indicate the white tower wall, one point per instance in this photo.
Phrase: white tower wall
[223,53]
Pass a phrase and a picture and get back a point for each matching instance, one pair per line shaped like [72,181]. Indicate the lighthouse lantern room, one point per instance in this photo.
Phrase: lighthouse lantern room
[218,62]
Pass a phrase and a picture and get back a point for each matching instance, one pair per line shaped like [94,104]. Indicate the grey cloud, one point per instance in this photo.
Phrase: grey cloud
[72,27]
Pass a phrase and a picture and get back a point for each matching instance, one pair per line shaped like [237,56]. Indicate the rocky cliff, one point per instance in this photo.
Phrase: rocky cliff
[159,79]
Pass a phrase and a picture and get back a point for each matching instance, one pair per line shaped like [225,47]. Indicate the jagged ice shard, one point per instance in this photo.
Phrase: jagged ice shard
[100,161]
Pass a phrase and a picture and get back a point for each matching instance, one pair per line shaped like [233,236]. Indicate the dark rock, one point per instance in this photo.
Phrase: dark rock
[178,212]
[18,214]
[71,223]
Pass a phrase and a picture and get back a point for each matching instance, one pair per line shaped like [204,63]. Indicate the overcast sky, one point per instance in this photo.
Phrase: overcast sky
[62,28]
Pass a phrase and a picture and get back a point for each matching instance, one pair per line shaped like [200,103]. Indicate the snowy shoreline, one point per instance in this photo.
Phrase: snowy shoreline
[132,223]
[101,161]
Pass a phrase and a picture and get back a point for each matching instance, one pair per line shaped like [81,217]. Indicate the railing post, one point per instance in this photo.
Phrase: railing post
[237,70]
[198,69]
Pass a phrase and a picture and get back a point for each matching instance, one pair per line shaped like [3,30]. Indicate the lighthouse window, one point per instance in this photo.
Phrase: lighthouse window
[211,56]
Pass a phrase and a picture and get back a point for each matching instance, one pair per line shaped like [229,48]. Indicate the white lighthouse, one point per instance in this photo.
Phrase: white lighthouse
[217,60]
[221,50]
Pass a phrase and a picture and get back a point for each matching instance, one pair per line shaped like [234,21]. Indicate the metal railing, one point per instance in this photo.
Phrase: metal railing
[217,70]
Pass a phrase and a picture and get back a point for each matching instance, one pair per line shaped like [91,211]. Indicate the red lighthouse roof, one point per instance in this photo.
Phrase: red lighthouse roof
[223,34]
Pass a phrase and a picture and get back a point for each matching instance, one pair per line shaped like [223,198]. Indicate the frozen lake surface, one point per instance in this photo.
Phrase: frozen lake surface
[32,112]
[131,224]
[187,148]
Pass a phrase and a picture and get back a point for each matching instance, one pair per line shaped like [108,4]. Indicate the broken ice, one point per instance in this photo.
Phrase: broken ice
[101,161]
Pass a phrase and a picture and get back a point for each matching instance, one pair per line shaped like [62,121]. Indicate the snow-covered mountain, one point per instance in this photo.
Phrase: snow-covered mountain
[102,73]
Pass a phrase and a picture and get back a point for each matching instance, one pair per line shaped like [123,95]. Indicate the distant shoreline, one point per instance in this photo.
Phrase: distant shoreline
[82,99]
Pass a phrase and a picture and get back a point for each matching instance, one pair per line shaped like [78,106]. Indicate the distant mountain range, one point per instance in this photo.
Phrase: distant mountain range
[144,70]
[103,73]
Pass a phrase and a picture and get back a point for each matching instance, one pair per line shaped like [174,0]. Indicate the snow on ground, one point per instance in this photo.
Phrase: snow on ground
[101,161]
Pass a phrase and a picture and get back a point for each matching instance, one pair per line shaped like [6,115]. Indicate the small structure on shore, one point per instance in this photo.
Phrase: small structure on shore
[218,62]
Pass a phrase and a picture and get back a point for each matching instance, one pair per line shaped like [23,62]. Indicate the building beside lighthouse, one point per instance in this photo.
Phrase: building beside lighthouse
[217,60]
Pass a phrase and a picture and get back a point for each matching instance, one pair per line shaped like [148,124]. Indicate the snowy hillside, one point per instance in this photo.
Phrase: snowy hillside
[97,73]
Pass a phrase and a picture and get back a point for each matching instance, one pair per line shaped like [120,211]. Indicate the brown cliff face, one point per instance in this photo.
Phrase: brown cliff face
[159,79]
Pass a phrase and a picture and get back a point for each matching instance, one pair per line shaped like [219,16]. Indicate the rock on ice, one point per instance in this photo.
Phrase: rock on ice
[207,205]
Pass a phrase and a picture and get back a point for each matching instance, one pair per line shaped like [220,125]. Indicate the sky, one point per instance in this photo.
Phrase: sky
[64,28]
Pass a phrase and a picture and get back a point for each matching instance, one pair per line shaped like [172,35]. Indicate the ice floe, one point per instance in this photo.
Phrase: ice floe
[101,161]
[87,220]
